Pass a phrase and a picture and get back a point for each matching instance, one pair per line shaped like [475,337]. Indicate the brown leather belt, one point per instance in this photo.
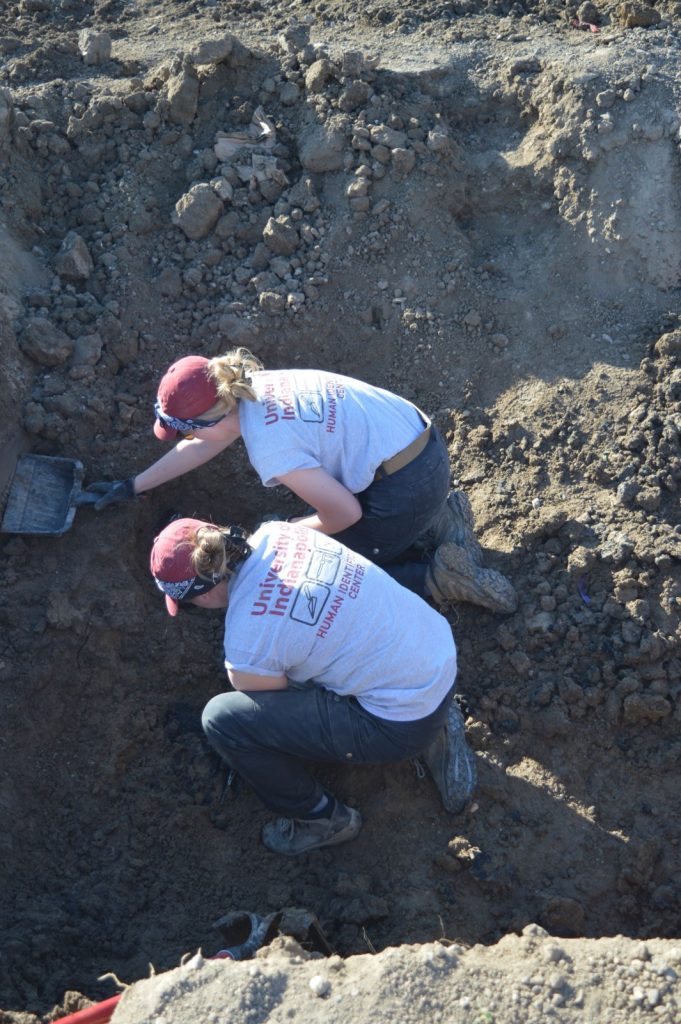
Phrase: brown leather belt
[407,454]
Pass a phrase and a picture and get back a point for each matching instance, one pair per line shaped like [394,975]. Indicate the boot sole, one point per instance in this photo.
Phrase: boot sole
[484,587]
[454,727]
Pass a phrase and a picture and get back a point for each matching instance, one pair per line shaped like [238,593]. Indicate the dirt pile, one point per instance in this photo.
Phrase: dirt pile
[477,208]
[530,978]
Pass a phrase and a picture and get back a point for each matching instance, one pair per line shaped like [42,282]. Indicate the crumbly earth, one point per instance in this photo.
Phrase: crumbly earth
[474,204]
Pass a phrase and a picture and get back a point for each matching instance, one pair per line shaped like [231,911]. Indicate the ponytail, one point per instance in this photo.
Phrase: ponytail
[219,551]
[231,374]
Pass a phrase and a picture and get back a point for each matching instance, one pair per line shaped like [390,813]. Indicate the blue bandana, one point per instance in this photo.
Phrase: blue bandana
[183,426]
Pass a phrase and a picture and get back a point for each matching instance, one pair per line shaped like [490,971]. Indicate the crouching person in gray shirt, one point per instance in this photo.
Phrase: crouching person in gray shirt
[303,608]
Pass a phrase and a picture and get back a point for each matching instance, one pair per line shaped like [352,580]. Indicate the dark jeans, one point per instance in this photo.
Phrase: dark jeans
[267,736]
[397,509]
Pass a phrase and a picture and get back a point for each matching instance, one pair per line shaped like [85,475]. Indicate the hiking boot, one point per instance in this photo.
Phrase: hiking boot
[454,523]
[454,575]
[451,762]
[292,836]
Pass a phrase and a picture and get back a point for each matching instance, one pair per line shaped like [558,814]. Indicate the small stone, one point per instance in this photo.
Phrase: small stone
[87,350]
[73,261]
[636,15]
[271,302]
[223,188]
[280,235]
[170,282]
[403,160]
[318,74]
[197,212]
[212,51]
[359,187]
[320,985]
[6,113]
[95,47]
[384,136]
[44,343]
[353,96]
[605,99]
[183,96]
[588,12]
[289,94]
[626,492]
[322,149]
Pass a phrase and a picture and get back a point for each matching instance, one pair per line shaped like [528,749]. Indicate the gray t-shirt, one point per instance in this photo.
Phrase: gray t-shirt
[305,419]
[305,606]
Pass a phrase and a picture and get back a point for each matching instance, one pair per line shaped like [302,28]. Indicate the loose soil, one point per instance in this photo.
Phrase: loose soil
[473,204]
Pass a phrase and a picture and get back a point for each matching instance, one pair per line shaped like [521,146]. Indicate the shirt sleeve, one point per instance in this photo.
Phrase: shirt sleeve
[270,466]
[246,661]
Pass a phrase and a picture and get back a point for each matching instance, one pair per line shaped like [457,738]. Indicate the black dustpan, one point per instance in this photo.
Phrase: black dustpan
[44,495]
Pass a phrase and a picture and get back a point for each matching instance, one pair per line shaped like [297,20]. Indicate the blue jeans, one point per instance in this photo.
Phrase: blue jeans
[397,509]
[266,737]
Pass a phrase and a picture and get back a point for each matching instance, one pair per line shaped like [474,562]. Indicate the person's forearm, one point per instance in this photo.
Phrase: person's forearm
[186,455]
[328,524]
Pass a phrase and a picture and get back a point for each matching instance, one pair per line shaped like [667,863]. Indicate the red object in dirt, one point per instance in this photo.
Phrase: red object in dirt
[100,1013]
[588,26]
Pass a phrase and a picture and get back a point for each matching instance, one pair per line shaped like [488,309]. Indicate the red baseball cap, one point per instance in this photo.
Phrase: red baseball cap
[171,563]
[185,392]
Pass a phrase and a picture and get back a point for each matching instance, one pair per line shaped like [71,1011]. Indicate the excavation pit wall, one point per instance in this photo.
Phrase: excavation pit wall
[122,843]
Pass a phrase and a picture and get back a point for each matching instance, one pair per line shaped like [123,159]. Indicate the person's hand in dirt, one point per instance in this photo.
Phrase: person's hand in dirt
[113,491]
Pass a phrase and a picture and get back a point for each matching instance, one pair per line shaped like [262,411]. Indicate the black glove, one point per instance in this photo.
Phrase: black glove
[112,492]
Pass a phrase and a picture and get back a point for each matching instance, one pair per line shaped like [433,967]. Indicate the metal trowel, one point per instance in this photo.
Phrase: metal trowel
[44,495]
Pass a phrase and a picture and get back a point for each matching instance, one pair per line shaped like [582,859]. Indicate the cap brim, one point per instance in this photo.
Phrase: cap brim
[164,433]
[172,605]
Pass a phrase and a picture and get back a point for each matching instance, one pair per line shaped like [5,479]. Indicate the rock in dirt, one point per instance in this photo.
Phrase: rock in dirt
[87,350]
[642,707]
[280,236]
[633,15]
[198,211]
[6,114]
[44,343]
[669,344]
[271,302]
[303,195]
[212,51]
[95,47]
[354,95]
[183,96]
[588,12]
[73,261]
[318,74]
[322,148]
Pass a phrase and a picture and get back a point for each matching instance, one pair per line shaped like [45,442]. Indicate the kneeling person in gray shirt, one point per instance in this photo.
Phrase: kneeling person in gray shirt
[378,664]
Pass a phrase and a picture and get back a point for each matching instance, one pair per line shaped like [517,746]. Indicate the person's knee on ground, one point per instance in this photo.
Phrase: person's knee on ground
[327,823]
